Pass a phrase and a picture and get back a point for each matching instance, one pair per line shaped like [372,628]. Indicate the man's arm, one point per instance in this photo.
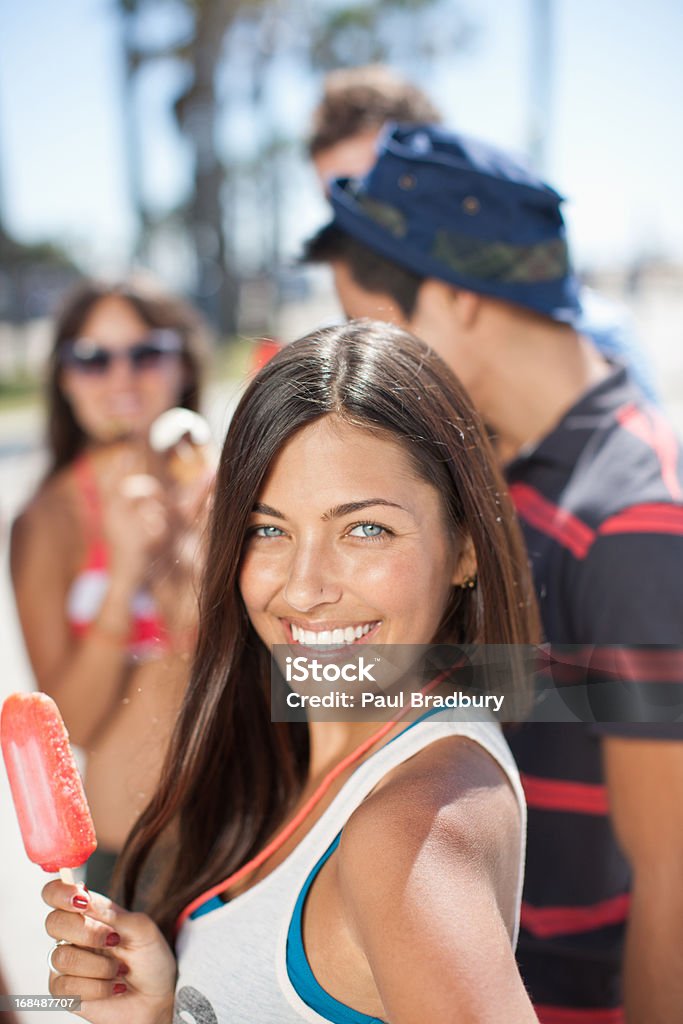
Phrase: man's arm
[645,783]
[632,595]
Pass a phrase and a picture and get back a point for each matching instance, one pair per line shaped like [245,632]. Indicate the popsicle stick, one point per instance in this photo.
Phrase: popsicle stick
[67,876]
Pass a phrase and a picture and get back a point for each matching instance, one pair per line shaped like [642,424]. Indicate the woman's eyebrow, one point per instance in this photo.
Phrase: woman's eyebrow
[357,506]
[267,510]
[348,508]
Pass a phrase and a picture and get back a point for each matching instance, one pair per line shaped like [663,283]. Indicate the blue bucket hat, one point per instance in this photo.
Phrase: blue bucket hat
[448,206]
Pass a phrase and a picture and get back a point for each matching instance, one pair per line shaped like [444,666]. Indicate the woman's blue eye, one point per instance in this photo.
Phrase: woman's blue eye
[267,531]
[369,530]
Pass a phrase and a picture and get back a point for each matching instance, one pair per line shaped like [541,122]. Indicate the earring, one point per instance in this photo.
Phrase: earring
[469,582]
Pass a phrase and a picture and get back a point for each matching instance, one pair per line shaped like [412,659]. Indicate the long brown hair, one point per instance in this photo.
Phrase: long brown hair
[65,437]
[231,775]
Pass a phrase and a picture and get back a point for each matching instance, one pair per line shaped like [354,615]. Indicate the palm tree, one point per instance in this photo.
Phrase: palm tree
[196,110]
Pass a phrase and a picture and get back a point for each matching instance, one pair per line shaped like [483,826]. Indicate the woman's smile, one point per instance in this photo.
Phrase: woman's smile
[330,635]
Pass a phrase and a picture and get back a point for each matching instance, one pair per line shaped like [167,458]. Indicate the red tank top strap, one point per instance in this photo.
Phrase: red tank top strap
[86,485]
[149,635]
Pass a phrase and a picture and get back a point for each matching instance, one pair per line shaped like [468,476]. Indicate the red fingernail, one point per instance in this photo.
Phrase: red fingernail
[119,989]
[123,969]
[112,939]
[80,902]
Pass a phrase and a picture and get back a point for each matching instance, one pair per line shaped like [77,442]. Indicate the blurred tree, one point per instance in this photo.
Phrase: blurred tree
[32,278]
[199,49]
[385,31]
[238,41]
[132,61]
[197,110]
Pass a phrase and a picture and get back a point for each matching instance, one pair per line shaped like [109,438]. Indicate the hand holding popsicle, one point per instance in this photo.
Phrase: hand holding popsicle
[183,437]
[58,834]
[181,440]
[136,525]
[117,961]
[134,517]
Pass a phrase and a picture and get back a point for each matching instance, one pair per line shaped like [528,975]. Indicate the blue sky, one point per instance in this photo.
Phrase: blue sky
[615,147]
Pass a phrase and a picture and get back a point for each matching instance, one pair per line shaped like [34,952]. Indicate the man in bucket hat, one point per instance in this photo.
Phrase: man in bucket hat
[355,106]
[460,243]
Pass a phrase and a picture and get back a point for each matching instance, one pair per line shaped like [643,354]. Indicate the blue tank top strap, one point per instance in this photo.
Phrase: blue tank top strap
[299,970]
[213,904]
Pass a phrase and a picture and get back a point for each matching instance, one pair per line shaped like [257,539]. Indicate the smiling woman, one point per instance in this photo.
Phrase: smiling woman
[100,555]
[357,501]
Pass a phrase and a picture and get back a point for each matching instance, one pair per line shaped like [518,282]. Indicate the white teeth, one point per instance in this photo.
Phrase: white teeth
[338,636]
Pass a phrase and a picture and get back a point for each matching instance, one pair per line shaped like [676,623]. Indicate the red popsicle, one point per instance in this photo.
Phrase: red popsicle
[53,812]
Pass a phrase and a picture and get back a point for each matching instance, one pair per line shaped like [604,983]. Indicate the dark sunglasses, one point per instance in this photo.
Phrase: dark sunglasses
[87,356]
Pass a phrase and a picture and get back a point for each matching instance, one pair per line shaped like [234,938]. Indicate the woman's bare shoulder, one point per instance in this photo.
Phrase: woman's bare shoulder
[452,791]
[51,516]
[428,874]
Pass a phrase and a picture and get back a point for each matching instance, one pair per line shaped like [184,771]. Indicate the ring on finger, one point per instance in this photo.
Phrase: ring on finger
[58,943]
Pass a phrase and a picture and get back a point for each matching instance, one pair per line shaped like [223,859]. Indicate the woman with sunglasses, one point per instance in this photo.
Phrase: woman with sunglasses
[101,558]
[330,869]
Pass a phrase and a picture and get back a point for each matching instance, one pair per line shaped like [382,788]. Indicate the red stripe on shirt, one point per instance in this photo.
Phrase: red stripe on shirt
[551,519]
[640,666]
[654,431]
[569,1015]
[560,795]
[649,518]
[668,452]
[653,663]
[546,922]
[633,419]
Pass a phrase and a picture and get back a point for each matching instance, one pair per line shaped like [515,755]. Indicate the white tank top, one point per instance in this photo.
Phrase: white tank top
[244,963]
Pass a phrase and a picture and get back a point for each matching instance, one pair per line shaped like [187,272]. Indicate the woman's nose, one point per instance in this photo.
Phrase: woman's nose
[120,370]
[312,579]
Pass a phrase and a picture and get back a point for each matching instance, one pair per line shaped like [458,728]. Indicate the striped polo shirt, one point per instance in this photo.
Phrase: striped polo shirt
[601,505]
